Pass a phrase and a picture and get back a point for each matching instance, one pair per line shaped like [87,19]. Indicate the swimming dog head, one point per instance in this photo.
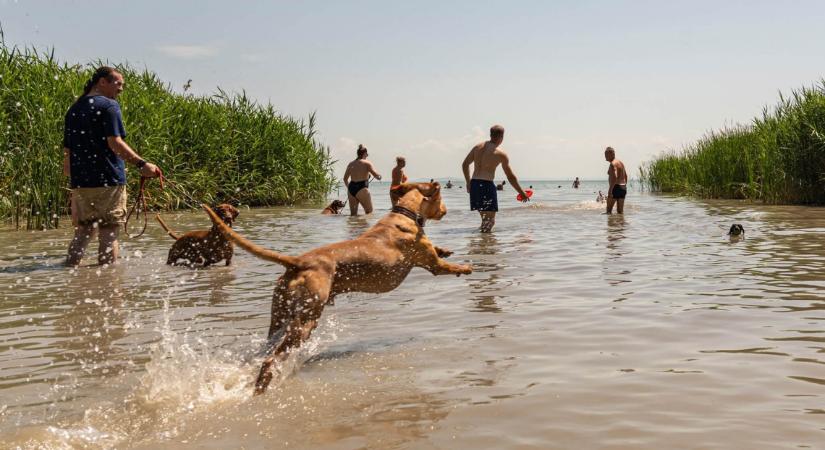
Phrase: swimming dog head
[334,207]
[736,230]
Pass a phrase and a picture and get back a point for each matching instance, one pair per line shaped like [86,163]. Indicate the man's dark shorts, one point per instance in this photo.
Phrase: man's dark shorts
[483,195]
[619,191]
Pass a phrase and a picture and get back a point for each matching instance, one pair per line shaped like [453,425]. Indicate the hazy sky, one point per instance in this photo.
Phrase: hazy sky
[427,79]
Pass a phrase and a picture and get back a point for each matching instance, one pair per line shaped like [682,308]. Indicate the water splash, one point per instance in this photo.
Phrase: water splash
[184,375]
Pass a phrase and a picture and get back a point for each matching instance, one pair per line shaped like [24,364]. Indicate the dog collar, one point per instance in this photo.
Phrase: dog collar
[419,220]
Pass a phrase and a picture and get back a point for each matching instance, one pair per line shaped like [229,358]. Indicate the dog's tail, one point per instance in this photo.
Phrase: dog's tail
[284,260]
[166,228]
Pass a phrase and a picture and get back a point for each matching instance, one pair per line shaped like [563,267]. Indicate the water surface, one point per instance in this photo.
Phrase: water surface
[576,330]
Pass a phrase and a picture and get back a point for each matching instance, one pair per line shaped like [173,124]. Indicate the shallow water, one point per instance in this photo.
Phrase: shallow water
[576,330]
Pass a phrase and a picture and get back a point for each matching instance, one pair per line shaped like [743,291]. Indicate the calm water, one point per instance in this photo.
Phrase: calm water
[576,330]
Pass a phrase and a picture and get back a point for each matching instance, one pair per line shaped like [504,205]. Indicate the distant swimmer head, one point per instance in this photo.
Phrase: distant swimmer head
[736,230]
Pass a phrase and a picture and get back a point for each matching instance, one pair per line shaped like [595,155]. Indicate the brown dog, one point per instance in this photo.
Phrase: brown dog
[202,247]
[377,261]
[334,207]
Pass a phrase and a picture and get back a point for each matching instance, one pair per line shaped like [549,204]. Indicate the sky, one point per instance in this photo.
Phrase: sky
[427,79]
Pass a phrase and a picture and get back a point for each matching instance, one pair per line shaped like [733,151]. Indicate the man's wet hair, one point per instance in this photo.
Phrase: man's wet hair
[400,159]
[361,152]
[496,132]
[610,150]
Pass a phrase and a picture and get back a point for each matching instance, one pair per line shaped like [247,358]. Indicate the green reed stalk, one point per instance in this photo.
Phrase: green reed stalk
[223,147]
[779,158]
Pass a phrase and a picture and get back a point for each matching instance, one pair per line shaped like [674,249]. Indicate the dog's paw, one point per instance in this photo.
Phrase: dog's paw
[464,270]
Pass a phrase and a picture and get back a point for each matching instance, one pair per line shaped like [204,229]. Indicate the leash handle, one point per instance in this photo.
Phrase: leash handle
[140,206]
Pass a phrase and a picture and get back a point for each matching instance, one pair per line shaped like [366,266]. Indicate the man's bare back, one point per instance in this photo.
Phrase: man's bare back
[616,173]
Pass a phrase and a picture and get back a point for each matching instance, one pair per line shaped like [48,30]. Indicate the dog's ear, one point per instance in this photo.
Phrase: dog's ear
[434,190]
[403,188]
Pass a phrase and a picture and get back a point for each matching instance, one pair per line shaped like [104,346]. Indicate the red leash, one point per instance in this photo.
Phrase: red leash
[140,206]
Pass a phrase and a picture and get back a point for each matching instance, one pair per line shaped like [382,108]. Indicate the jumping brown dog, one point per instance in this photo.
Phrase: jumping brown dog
[202,247]
[377,261]
[334,207]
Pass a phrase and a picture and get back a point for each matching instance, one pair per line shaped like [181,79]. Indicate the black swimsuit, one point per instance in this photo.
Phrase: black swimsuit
[354,187]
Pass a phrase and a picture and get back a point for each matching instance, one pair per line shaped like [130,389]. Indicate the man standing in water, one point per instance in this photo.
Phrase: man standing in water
[398,178]
[93,157]
[485,158]
[358,191]
[617,179]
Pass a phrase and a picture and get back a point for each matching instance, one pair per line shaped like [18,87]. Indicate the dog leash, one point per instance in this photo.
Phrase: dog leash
[183,193]
[140,206]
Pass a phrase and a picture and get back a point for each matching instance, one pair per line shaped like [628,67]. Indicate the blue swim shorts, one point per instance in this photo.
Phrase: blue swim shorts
[483,195]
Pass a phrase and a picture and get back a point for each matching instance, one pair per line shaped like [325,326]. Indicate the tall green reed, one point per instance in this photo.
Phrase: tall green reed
[223,147]
[778,158]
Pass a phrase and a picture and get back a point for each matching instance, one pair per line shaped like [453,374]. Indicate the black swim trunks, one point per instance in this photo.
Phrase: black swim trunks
[483,195]
[619,191]
[354,187]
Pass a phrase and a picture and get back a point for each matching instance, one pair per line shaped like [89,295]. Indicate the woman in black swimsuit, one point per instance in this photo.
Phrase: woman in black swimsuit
[356,178]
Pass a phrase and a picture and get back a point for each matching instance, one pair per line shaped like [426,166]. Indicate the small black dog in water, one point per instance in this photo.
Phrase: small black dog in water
[736,230]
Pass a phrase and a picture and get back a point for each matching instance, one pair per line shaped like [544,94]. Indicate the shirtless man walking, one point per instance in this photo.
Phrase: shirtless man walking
[617,178]
[485,158]
[356,178]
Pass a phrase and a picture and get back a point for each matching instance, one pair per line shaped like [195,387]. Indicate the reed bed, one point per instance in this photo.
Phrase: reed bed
[779,158]
[223,147]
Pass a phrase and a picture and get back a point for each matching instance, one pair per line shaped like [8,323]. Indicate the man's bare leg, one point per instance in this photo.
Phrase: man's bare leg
[109,248]
[82,235]
[73,207]
[488,221]
[365,199]
[620,206]
[610,202]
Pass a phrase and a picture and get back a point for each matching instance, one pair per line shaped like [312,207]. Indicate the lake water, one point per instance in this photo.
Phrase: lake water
[576,330]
